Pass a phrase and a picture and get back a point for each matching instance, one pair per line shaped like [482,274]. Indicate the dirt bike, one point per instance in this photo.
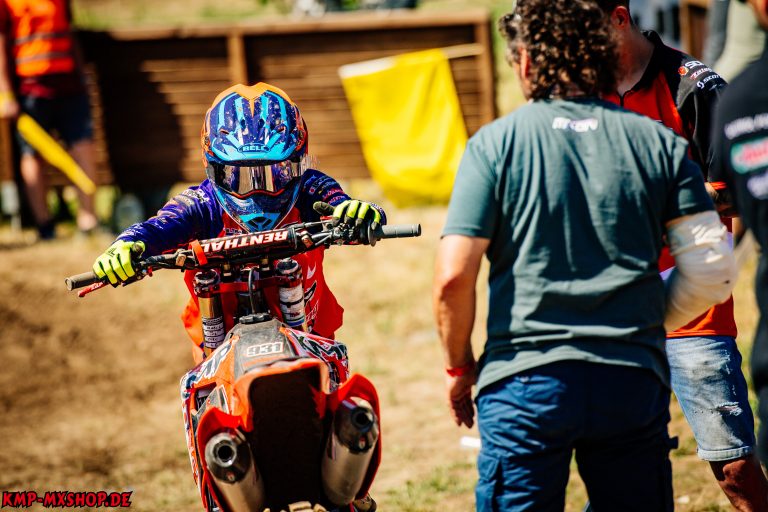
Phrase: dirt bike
[272,416]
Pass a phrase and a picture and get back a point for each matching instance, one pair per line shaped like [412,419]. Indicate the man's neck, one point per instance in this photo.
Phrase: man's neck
[634,60]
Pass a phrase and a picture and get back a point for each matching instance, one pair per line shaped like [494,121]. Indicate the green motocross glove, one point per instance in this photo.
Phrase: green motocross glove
[116,262]
[353,210]
[365,216]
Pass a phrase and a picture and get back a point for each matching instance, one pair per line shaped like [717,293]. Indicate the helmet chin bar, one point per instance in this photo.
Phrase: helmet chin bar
[259,212]
[260,222]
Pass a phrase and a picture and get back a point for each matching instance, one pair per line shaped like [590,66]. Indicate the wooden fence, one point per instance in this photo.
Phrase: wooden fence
[151,87]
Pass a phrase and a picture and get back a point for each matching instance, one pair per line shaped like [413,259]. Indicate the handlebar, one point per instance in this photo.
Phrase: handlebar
[399,231]
[81,280]
[248,248]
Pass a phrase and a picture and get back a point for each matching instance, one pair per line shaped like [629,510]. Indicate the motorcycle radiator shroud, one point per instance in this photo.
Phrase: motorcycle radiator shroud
[272,417]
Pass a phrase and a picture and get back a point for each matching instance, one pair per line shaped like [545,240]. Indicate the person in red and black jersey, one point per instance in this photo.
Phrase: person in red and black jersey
[740,141]
[680,92]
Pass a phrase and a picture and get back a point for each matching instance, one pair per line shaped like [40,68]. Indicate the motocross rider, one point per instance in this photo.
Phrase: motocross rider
[259,177]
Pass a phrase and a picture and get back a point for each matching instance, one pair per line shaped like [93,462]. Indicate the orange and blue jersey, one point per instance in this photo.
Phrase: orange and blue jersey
[195,214]
[680,92]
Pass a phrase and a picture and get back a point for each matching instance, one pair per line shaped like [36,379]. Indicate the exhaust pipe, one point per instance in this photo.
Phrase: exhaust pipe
[228,458]
[349,450]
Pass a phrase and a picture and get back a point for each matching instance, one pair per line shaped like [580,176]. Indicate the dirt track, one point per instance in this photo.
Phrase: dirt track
[90,397]
[89,384]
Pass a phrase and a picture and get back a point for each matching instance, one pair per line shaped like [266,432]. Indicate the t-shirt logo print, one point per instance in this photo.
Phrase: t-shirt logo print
[577,125]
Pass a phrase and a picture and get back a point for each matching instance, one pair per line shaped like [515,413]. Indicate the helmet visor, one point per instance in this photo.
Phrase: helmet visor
[243,180]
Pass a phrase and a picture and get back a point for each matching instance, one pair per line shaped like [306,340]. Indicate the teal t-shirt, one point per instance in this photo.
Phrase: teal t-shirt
[574,196]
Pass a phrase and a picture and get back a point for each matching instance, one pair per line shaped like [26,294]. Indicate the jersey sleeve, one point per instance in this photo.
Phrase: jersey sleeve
[687,194]
[317,186]
[698,98]
[190,215]
[473,208]
[719,171]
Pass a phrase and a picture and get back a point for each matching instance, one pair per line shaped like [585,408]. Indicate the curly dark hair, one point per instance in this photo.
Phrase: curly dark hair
[569,44]
[609,5]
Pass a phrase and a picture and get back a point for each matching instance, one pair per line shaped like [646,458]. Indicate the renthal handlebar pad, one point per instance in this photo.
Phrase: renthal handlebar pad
[400,231]
[81,280]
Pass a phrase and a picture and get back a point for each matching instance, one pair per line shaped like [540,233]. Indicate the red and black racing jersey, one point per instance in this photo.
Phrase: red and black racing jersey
[680,92]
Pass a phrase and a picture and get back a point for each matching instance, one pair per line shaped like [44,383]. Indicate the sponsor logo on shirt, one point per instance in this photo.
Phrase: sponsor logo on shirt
[701,84]
[576,125]
[700,72]
[682,70]
[693,64]
[758,185]
[750,124]
[196,195]
[748,156]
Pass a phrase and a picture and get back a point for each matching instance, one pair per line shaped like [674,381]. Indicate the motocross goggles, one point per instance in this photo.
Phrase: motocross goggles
[244,180]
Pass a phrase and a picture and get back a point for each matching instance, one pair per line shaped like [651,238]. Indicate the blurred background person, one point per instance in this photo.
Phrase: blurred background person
[744,39]
[741,158]
[41,74]
[681,92]
[574,359]
[717,16]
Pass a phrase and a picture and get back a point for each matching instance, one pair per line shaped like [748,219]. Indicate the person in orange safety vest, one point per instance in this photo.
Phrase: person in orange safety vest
[41,75]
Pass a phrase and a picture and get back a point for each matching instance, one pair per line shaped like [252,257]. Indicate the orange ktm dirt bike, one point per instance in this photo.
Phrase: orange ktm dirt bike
[272,416]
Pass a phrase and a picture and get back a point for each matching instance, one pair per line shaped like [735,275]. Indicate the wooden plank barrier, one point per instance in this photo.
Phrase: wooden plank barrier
[693,26]
[154,85]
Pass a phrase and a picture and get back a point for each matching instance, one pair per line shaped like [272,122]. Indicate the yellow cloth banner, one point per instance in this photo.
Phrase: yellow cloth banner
[409,121]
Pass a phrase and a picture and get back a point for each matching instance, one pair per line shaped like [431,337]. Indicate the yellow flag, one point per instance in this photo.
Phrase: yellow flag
[53,153]
[409,121]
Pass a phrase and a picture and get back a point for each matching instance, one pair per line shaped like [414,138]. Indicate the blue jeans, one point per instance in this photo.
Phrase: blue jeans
[614,417]
[705,374]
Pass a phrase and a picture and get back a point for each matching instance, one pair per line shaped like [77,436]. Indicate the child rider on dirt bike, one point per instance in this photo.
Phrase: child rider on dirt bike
[259,177]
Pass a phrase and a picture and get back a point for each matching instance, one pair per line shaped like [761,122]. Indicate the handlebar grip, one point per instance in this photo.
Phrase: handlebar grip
[81,280]
[400,231]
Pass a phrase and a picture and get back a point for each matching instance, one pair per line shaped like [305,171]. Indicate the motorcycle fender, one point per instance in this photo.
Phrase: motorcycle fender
[243,386]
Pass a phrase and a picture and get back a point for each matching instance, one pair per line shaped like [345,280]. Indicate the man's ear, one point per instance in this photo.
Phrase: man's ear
[525,63]
[620,18]
[523,69]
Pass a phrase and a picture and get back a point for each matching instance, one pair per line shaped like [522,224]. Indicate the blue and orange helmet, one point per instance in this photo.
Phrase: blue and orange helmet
[255,151]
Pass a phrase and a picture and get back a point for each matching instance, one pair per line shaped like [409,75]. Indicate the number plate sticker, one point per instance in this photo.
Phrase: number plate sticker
[265,349]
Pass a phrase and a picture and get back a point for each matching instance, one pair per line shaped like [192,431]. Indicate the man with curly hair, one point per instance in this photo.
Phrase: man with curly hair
[680,92]
[570,198]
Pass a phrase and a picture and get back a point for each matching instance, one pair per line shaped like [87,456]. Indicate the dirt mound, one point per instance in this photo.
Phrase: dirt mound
[88,396]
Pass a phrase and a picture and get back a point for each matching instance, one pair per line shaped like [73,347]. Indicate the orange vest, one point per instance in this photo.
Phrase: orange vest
[42,41]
